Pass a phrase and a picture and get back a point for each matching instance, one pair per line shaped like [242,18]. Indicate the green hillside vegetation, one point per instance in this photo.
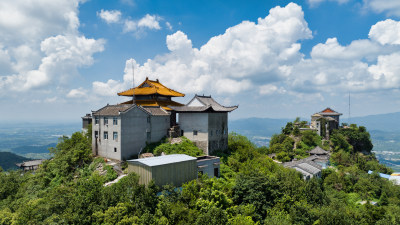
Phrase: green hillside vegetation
[252,189]
[185,146]
[8,160]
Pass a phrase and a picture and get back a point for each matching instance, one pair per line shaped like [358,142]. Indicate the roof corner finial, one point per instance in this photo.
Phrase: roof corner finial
[147,78]
[157,80]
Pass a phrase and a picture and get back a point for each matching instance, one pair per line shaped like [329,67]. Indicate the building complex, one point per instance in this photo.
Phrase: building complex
[121,131]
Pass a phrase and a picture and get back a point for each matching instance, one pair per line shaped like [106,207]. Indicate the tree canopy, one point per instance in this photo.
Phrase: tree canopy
[252,189]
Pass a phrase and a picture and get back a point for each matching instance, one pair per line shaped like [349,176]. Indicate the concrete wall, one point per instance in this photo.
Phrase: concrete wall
[106,147]
[159,127]
[190,122]
[173,173]
[134,129]
[217,131]
[207,165]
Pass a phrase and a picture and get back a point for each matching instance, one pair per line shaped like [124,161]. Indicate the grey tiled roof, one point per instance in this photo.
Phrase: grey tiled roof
[318,151]
[112,110]
[306,164]
[209,104]
[156,111]
[31,163]
[309,168]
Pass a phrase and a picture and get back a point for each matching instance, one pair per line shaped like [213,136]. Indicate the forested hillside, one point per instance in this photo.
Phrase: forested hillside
[8,160]
[252,189]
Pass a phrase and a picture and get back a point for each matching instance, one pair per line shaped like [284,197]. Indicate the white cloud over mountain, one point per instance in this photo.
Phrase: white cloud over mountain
[40,44]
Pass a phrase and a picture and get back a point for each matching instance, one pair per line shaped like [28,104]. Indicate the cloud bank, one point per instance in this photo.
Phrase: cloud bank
[264,58]
[40,44]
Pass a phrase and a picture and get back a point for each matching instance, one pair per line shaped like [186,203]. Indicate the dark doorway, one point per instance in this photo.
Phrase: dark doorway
[216,172]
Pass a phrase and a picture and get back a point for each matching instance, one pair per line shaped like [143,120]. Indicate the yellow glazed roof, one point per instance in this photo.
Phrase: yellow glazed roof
[152,102]
[150,87]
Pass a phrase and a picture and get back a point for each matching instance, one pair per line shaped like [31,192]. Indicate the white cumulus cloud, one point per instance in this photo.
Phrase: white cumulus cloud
[110,16]
[228,63]
[40,44]
[389,7]
[150,21]
[386,32]
[77,93]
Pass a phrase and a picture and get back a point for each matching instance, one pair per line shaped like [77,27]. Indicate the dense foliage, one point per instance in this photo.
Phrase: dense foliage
[252,189]
[185,146]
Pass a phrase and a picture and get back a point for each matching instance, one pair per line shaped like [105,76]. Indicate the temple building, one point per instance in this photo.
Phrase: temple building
[122,131]
[325,121]
[205,122]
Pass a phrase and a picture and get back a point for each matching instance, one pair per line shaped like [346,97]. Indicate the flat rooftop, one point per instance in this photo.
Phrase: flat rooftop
[162,160]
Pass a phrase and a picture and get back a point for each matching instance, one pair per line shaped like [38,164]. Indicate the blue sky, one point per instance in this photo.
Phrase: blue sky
[278,59]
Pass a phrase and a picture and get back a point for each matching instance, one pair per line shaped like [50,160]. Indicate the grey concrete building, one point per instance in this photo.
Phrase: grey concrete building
[325,121]
[86,121]
[122,131]
[208,165]
[205,122]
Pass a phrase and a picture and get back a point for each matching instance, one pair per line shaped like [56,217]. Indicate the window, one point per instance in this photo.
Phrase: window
[216,174]
[195,132]
[115,136]
[105,120]
[96,120]
[96,134]
[115,149]
[115,121]
[105,135]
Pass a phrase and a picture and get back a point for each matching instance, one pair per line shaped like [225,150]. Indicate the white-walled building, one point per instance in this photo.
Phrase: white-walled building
[205,122]
[122,131]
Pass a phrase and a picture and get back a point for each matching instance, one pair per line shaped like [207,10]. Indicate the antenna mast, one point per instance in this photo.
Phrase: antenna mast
[349,110]
[133,83]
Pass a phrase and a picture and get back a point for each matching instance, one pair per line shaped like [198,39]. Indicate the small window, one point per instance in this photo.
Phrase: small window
[115,136]
[115,121]
[96,134]
[195,132]
[105,120]
[115,149]
[96,120]
[105,135]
